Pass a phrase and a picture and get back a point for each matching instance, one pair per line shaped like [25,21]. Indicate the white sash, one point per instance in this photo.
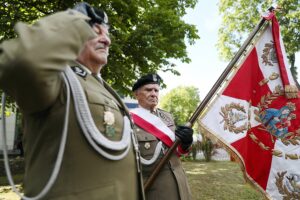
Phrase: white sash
[153,125]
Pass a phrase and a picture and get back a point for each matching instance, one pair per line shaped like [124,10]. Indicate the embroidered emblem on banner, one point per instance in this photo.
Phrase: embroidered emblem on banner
[276,122]
[234,118]
[269,55]
[288,185]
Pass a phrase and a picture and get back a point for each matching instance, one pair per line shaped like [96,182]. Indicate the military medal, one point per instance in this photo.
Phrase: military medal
[147,145]
[109,120]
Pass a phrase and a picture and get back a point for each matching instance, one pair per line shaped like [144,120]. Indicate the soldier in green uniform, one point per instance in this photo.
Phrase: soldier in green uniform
[155,130]
[78,138]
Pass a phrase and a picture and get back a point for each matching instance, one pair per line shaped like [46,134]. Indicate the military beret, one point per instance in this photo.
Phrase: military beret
[147,79]
[96,15]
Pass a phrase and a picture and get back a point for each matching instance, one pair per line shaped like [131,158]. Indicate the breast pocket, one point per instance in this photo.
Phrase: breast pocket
[99,103]
[147,143]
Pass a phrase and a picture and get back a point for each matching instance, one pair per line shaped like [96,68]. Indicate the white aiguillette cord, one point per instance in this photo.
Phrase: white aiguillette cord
[59,158]
[69,79]
[155,155]
[87,124]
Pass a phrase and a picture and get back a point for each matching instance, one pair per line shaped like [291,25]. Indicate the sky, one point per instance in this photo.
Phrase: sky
[205,66]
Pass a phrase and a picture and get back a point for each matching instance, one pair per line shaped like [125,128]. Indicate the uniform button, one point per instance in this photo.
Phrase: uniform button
[147,145]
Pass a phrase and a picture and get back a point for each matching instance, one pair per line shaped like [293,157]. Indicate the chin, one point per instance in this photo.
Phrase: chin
[153,105]
[101,61]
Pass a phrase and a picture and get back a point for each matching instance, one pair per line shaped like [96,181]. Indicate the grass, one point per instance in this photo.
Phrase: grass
[215,180]
[17,179]
[219,180]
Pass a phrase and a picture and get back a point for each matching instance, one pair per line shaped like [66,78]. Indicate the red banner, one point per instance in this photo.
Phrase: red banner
[256,115]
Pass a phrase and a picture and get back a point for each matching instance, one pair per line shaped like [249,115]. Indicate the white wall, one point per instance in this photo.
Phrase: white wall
[10,131]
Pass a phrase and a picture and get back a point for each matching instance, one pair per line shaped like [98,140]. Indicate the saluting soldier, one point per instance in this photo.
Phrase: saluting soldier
[78,137]
[155,130]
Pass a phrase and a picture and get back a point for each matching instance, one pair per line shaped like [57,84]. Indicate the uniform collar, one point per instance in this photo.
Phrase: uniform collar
[86,69]
[153,112]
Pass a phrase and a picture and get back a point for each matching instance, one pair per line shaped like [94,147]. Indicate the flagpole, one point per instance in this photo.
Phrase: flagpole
[199,109]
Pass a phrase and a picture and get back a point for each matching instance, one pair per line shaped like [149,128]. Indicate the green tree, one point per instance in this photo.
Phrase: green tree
[181,102]
[145,34]
[239,17]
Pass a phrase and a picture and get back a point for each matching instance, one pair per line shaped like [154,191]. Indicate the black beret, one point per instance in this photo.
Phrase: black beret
[96,15]
[147,79]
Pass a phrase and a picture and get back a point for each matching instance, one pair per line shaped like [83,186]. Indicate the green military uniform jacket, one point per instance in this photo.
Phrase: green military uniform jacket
[171,182]
[30,71]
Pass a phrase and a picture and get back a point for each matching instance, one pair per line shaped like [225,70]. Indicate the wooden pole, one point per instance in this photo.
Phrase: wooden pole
[199,109]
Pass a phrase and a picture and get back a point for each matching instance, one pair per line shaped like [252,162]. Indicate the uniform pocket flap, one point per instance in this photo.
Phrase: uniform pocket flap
[143,136]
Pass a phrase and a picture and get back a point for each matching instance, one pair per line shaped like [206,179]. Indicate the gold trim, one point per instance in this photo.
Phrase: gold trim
[273,76]
[263,82]
[291,92]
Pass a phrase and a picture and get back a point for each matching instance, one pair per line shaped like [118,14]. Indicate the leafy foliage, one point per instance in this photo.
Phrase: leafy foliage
[181,102]
[145,33]
[239,17]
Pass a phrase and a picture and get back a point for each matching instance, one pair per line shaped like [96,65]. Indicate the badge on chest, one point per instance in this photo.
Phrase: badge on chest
[147,145]
[109,122]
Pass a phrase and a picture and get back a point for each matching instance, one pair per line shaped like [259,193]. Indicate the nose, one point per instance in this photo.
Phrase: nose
[103,34]
[104,38]
[153,93]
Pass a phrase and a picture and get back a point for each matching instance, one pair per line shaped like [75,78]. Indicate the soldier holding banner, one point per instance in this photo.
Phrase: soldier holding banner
[155,131]
[78,138]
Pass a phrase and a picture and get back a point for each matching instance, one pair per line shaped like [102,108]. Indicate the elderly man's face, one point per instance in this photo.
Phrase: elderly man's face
[95,51]
[147,96]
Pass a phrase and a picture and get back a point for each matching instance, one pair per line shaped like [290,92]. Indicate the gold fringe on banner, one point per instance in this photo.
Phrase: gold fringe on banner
[236,158]
[291,91]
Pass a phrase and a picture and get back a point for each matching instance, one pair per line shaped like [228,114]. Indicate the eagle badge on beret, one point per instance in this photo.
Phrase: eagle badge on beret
[147,79]
[154,78]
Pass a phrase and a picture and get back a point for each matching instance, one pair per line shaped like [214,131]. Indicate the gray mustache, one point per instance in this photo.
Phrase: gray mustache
[100,46]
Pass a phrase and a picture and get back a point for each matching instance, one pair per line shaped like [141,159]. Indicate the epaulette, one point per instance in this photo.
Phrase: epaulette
[165,116]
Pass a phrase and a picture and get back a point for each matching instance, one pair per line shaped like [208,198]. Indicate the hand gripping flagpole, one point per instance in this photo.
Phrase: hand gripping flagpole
[202,105]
